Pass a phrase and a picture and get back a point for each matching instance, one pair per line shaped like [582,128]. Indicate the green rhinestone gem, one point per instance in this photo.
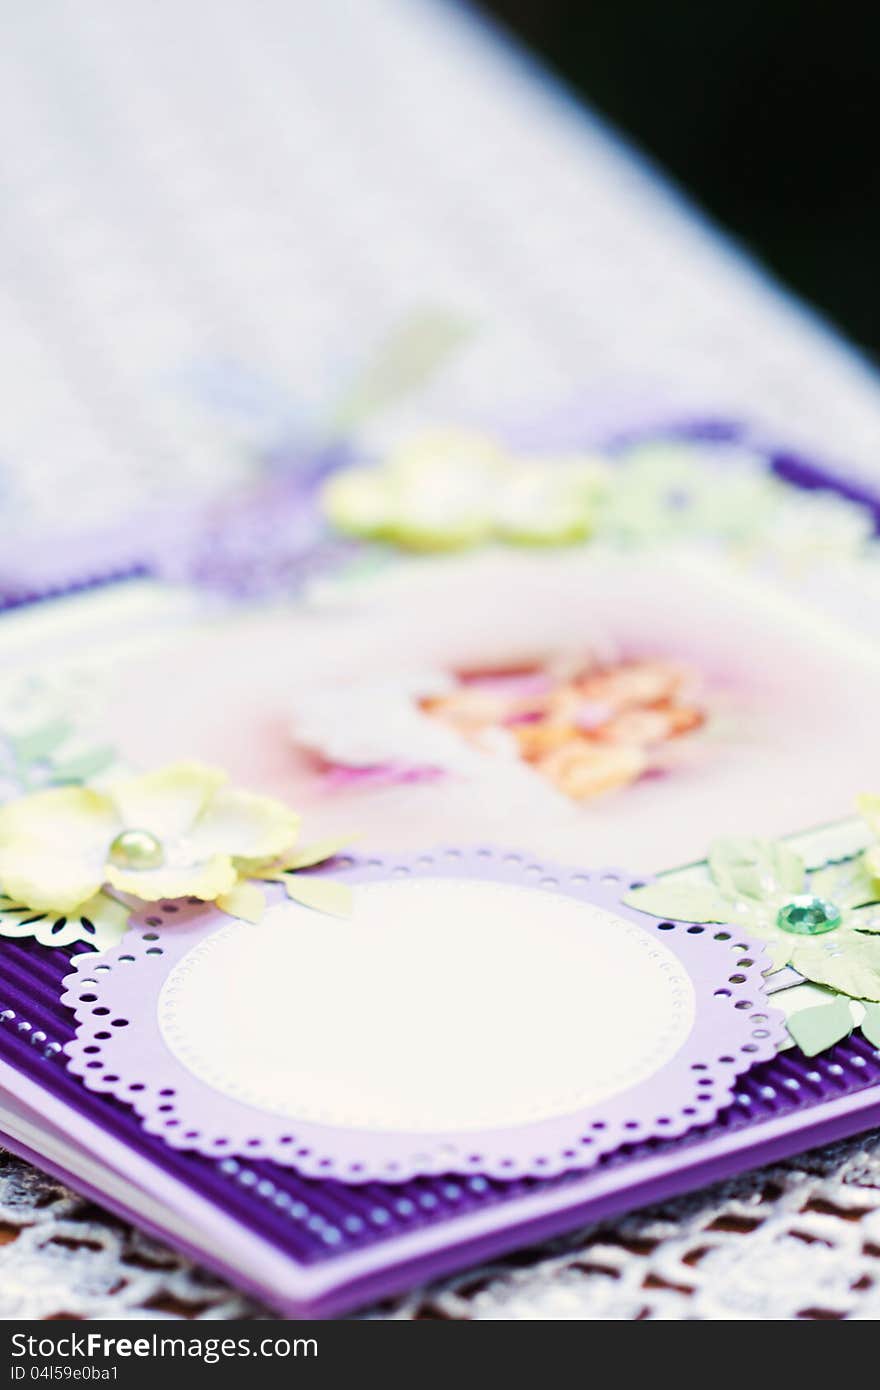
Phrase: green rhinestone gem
[808,916]
[137,849]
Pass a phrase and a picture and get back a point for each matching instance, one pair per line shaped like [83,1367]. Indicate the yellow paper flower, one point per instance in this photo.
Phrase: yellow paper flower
[455,489]
[869,809]
[322,894]
[177,832]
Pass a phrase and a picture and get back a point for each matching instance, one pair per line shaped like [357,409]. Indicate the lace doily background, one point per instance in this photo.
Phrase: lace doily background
[797,1240]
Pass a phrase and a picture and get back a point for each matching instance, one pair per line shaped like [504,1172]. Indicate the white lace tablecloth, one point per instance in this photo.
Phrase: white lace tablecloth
[798,1240]
[212,212]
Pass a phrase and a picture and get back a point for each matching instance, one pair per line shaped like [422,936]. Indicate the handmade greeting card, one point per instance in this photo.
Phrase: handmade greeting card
[520,867]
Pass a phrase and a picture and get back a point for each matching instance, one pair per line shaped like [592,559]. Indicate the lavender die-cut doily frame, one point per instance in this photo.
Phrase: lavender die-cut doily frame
[120,1047]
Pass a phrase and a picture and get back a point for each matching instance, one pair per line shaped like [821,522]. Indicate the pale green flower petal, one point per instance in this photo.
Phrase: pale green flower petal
[451,509]
[864,919]
[73,820]
[756,868]
[168,801]
[872,864]
[543,504]
[757,917]
[665,489]
[843,841]
[273,870]
[322,894]
[683,902]
[357,502]
[850,884]
[868,806]
[47,878]
[454,489]
[315,853]
[245,900]
[779,950]
[206,880]
[850,964]
[243,825]
[422,456]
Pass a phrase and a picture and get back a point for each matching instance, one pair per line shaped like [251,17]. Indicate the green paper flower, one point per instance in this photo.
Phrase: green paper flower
[833,916]
[670,490]
[663,491]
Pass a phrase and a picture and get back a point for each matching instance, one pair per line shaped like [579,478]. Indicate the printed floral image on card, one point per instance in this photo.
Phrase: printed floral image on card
[562,702]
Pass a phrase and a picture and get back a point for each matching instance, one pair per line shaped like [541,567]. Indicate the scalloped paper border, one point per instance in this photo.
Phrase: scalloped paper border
[119,1049]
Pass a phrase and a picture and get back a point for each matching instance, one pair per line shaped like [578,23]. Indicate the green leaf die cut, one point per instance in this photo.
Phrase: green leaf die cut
[41,743]
[870,1024]
[83,766]
[814,1030]
[42,757]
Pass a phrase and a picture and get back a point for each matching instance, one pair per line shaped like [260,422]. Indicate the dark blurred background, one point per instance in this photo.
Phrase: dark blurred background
[766,111]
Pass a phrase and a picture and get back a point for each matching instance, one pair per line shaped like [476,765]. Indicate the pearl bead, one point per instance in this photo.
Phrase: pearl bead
[137,849]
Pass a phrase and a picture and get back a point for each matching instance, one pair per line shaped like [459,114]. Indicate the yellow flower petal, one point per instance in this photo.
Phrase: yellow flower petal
[47,879]
[322,894]
[245,900]
[313,854]
[67,819]
[208,880]
[869,809]
[466,450]
[168,801]
[871,860]
[357,501]
[244,825]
